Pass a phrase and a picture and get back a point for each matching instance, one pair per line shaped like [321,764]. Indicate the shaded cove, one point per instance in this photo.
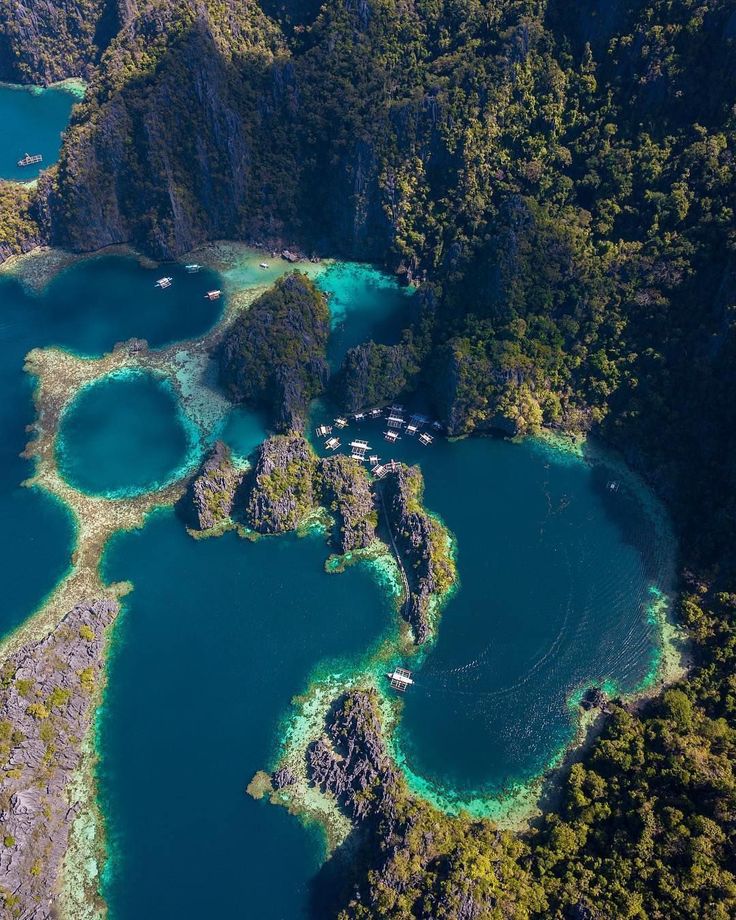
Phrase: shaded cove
[216,638]
[87,308]
[33,119]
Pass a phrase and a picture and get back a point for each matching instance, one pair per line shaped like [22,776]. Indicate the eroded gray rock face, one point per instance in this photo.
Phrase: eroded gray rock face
[46,707]
[350,760]
[213,489]
[346,493]
[421,543]
[281,491]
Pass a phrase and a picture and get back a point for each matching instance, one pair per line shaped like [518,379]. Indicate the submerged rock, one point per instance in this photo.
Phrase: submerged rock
[346,493]
[274,354]
[47,696]
[282,491]
[213,490]
[422,546]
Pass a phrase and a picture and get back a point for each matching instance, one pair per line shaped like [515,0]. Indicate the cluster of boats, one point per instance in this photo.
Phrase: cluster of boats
[191,269]
[360,449]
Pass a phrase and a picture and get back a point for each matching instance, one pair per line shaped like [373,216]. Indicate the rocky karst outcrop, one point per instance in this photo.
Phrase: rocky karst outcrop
[422,545]
[350,761]
[274,354]
[281,490]
[47,694]
[373,375]
[42,41]
[345,492]
[213,489]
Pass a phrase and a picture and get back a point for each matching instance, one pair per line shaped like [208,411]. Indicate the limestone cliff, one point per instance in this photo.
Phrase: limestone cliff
[281,488]
[422,544]
[273,356]
[46,709]
[346,493]
[350,761]
[213,489]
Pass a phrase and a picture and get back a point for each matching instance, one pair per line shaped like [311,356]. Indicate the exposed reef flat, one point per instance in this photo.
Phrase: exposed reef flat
[48,693]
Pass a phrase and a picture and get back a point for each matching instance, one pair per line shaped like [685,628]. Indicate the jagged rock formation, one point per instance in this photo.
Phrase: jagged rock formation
[350,761]
[345,492]
[422,863]
[42,42]
[274,354]
[184,136]
[46,708]
[422,544]
[373,375]
[281,490]
[212,492]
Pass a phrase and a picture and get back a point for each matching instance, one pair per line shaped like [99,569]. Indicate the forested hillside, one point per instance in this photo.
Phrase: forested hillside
[561,176]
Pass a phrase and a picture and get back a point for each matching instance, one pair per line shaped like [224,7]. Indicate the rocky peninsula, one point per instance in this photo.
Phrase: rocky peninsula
[48,693]
[422,545]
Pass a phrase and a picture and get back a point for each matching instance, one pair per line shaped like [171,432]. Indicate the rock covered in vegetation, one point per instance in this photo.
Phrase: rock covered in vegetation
[350,761]
[213,489]
[430,864]
[346,493]
[274,354]
[372,375]
[281,490]
[422,544]
[50,41]
[47,692]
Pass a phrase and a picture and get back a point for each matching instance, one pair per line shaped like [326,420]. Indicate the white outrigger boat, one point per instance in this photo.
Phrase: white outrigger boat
[400,679]
[192,268]
[213,295]
[263,265]
[163,283]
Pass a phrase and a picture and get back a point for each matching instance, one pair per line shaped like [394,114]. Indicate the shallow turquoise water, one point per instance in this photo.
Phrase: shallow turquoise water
[365,303]
[216,638]
[125,434]
[218,635]
[33,120]
[87,308]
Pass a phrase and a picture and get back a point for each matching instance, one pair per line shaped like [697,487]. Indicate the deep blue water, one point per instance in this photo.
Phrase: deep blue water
[216,638]
[88,308]
[123,435]
[556,571]
[33,120]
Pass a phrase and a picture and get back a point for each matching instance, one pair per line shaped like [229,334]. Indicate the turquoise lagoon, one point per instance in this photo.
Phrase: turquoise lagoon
[87,308]
[365,303]
[215,640]
[561,560]
[556,572]
[33,119]
[125,434]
